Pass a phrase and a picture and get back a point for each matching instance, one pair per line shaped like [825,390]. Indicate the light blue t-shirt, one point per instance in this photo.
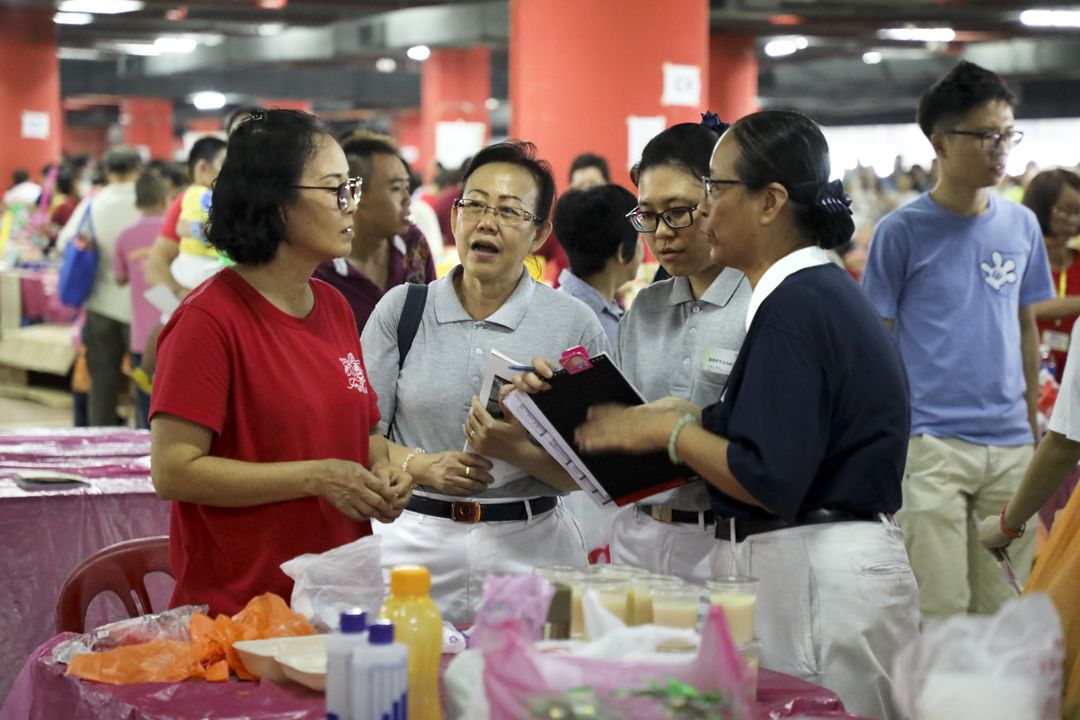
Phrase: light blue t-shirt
[954,286]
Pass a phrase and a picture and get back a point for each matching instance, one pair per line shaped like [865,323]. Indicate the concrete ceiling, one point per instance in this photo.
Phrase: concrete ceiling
[327,50]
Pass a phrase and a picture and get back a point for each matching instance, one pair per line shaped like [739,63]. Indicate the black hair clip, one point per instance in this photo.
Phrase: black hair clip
[833,199]
[712,120]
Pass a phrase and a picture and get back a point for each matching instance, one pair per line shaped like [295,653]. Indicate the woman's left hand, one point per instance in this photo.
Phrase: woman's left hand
[617,428]
[500,439]
[400,484]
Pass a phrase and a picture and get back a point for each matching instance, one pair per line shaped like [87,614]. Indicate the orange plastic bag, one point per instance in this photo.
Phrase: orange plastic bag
[209,654]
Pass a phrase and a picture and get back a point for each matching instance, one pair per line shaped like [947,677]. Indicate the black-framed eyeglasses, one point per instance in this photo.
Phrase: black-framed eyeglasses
[504,214]
[649,222]
[992,138]
[351,189]
[712,183]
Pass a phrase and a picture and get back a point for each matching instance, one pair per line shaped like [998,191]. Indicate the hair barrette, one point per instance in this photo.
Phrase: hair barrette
[712,120]
[833,199]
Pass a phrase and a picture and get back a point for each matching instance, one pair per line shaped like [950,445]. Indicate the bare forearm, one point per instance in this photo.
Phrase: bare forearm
[1054,459]
[157,271]
[1058,308]
[223,482]
[538,463]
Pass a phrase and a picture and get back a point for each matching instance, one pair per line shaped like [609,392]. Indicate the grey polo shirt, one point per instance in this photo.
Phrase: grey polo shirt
[445,366]
[672,344]
[608,313]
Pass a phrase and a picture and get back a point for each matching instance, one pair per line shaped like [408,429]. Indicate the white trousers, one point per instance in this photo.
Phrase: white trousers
[667,548]
[460,555]
[835,604]
[594,521]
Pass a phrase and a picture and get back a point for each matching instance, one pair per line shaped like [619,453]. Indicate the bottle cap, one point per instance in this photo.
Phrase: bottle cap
[410,580]
[381,632]
[353,621]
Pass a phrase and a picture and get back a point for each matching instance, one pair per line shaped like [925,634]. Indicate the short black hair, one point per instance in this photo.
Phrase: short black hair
[1043,190]
[20,176]
[588,160]
[966,87]
[266,158]
[150,190]
[686,145]
[591,226]
[785,147]
[237,113]
[121,159]
[523,154]
[360,145]
[65,182]
[205,148]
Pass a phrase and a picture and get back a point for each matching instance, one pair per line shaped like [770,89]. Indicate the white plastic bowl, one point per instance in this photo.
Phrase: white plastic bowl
[260,657]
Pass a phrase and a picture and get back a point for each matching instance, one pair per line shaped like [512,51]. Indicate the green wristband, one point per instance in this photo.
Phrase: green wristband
[674,438]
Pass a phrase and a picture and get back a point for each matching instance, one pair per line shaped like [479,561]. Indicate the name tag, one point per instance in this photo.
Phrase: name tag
[1056,340]
[718,360]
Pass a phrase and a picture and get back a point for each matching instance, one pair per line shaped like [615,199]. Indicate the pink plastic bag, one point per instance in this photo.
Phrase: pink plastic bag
[518,678]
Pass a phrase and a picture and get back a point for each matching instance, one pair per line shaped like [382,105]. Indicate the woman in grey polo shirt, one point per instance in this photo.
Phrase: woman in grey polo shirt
[459,523]
[679,339]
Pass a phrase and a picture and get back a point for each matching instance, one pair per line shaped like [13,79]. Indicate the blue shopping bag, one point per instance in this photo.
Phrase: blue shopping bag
[79,267]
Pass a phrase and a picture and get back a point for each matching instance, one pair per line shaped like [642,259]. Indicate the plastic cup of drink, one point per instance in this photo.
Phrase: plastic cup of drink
[613,594]
[737,596]
[574,578]
[751,653]
[641,586]
[676,606]
[619,571]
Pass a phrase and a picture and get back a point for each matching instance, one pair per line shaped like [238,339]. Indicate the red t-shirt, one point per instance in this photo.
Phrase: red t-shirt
[168,224]
[273,388]
[1056,333]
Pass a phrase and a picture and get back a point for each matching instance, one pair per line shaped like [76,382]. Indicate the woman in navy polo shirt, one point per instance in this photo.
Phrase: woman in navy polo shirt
[805,450]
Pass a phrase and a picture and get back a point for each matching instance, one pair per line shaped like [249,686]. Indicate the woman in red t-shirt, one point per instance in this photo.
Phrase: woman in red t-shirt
[264,425]
[1054,197]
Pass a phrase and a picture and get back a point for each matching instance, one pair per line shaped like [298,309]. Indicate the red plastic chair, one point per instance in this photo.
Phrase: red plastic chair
[119,568]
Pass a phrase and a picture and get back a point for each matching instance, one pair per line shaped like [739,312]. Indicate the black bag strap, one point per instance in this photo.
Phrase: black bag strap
[409,322]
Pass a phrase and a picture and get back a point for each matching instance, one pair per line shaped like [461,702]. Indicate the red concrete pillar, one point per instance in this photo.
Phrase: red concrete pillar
[31,123]
[148,126]
[580,70]
[733,75]
[454,86]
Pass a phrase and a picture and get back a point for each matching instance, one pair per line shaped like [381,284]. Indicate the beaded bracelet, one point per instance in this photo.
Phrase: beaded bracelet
[412,453]
[672,454]
[1014,534]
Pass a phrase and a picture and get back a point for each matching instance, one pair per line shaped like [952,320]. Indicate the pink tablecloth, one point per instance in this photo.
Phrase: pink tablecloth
[43,692]
[41,298]
[46,533]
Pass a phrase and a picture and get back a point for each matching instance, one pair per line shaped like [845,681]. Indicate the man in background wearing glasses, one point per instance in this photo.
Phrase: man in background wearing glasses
[955,275]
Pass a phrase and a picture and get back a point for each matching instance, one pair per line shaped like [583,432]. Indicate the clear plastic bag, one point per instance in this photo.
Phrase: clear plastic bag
[976,667]
[345,577]
[169,625]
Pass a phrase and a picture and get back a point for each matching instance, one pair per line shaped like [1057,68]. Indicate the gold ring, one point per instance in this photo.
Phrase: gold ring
[467,469]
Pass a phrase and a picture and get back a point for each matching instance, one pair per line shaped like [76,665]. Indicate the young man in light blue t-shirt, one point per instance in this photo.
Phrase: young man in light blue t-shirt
[955,274]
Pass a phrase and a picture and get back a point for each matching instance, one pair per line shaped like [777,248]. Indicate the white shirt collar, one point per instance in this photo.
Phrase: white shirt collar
[789,264]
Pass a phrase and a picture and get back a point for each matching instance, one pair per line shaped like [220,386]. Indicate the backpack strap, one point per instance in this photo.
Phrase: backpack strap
[409,322]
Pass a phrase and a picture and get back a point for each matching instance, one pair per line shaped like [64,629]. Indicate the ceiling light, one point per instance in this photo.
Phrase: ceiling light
[386,65]
[801,42]
[871,57]
[418,53]
[491,104]
[101,7]
[1050,18]
[269,29]
[914,34]
[273,4]
[130,48]
[175,44]
[781,47]
[209,100]
[77,54]
[71,18]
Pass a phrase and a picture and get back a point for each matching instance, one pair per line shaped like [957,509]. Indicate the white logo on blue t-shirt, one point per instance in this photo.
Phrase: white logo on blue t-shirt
[1000,273]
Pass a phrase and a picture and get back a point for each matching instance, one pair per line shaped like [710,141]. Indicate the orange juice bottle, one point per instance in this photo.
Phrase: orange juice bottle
[418,625]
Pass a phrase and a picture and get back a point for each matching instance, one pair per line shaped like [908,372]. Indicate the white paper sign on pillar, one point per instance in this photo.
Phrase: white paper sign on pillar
[682,85]
[35,125]
[639,131]
[457,140]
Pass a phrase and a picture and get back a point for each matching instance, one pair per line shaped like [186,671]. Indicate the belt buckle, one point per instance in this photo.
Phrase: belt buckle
[465,511]
[660,513]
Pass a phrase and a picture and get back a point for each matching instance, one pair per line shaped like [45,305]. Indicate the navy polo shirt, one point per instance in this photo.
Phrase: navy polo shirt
[817,406]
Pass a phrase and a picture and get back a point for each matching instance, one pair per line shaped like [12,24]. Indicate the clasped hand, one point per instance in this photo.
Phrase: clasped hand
[380,493]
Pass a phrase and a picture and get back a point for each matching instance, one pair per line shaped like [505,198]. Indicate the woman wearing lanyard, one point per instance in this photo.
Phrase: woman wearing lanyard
[1054,197]
[805,451]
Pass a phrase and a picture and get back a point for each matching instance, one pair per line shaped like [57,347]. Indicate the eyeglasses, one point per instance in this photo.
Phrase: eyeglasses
[351,189]
[992,138]
[712,183]
[649,222]
[1071,211]
[504,214]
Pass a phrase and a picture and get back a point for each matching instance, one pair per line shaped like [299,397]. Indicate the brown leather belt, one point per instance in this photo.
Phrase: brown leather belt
[755,526]
[470,511]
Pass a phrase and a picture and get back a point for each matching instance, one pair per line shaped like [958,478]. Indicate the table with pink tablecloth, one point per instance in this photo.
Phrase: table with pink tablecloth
[46,533]
[40,297]
[43,692]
